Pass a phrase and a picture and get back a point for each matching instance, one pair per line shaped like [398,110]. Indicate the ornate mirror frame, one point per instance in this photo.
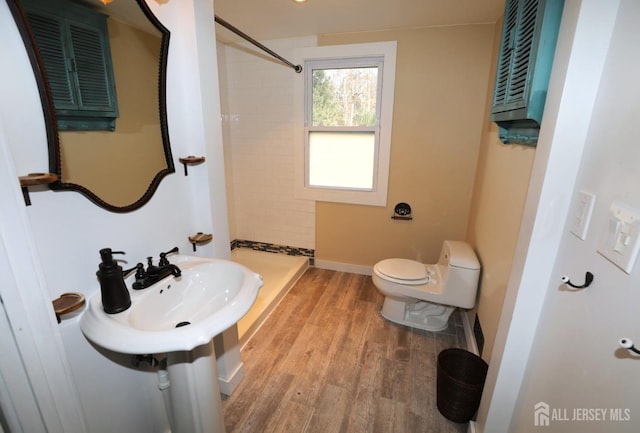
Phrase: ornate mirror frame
[53,140]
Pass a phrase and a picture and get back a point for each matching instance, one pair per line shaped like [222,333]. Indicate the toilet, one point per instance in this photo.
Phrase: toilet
[424,296]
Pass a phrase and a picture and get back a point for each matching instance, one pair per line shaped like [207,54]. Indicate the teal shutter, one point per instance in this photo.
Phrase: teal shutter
[48,32]
[506,55]
[90,58]
[522,54]
[74,45]
[529,35]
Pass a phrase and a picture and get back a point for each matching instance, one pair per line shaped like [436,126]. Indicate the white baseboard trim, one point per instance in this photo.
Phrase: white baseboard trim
[472,347]
[469,336]
[228,385]
[472,427]
[343,267]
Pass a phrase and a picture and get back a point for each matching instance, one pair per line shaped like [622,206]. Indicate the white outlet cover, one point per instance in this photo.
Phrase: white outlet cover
[582,214]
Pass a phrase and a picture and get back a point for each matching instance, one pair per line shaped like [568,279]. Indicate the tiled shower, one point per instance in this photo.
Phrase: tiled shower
[259,138]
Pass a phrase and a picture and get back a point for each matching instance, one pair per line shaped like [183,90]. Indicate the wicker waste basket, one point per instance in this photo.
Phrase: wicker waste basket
[461,376]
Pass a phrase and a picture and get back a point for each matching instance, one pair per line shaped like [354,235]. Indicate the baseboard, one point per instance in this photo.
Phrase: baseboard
[469,336]
[228,385]
[472,427]
[472,347]
[343,267]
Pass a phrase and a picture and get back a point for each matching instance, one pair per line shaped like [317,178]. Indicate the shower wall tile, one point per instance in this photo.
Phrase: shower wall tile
[273,248]
[260,131]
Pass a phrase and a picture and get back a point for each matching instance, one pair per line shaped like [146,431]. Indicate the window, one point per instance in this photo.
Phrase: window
[347,91]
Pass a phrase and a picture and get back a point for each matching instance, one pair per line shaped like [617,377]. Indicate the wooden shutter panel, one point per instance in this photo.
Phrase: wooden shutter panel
[73,41]
[529,35]
[524,44]
[48,33]
[506,54]
[89,59]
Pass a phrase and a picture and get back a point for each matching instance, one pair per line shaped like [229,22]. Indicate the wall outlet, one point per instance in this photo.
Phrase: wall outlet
[582,214]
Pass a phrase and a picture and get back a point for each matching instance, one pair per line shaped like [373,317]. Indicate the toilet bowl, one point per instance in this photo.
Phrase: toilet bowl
[423,295]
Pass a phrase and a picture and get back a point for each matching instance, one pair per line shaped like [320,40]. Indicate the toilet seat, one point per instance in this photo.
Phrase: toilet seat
[403,271]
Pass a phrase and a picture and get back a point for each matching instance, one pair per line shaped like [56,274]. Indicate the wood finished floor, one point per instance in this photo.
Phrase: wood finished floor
[325,361]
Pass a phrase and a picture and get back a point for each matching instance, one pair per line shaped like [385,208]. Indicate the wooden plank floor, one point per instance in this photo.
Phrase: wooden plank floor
[325,361]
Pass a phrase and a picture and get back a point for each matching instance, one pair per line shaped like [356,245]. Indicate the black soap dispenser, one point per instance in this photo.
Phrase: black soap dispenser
[115,296]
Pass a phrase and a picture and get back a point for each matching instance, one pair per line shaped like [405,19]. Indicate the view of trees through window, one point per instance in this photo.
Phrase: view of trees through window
[346,102]
[344,97]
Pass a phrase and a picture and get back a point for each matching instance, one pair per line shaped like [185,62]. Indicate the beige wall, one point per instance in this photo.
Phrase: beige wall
[498,201]
[446,161]
[440,96]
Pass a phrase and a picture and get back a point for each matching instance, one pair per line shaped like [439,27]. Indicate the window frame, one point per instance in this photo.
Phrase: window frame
[346,56]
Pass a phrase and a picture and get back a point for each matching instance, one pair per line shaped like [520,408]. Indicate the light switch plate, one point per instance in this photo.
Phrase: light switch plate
[621,240]
[582,214]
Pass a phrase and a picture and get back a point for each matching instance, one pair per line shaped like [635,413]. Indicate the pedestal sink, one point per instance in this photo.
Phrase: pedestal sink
[180,316]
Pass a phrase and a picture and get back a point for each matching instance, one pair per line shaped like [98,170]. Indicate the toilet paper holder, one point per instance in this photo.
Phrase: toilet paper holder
[402,211]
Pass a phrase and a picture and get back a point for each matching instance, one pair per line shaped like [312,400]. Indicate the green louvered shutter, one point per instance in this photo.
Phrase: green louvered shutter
[73,42]
[522,54]
[48,32]
[506,55]
[89,58]
[529,35]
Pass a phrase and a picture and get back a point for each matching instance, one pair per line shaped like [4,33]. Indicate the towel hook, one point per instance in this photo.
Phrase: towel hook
[588,279]
[626,343]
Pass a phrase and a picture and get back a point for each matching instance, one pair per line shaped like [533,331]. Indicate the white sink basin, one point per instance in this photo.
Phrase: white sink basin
[177,313]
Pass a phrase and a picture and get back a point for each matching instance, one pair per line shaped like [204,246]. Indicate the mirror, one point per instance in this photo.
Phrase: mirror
[118,170]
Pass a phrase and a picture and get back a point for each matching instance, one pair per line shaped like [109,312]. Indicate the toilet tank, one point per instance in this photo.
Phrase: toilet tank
[460,270]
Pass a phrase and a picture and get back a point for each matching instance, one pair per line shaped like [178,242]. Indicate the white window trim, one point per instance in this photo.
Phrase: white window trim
[378,196]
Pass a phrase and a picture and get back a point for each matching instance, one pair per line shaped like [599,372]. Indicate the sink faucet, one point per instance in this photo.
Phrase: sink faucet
[153,273]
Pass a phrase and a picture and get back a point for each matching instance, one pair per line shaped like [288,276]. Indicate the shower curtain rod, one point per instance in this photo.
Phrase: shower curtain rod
[248,38]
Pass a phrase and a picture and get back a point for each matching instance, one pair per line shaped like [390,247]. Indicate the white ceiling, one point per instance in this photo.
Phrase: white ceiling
[274,19]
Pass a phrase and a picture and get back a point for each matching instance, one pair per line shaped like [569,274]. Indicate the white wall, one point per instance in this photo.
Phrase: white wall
[258,95]
[63,231]
[557,346]
[593,372]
